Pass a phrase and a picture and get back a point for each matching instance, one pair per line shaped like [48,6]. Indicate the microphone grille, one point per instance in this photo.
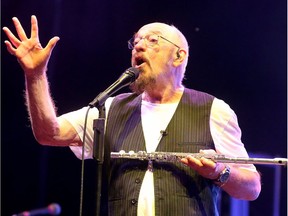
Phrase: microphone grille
[133,72]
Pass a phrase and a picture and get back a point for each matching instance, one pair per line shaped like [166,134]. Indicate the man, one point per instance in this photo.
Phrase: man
[161,115]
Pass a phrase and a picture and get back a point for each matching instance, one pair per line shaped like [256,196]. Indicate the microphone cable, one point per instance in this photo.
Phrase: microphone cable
[82,163]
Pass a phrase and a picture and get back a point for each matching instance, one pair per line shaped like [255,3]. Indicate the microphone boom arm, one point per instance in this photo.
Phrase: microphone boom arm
[128,77]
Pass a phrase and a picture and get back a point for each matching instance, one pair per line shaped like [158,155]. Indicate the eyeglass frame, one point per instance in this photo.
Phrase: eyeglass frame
[131,45]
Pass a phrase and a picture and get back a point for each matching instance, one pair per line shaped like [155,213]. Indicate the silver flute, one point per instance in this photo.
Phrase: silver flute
[177,156]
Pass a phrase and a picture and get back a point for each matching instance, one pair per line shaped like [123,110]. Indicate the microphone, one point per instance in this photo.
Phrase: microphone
[52,209]
[128,77]
[163,132]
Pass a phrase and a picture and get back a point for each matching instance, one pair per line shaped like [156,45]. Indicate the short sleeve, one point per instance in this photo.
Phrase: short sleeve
[77,120]
[226,132]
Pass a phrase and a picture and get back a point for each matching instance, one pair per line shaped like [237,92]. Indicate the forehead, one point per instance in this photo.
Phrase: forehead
[156,28]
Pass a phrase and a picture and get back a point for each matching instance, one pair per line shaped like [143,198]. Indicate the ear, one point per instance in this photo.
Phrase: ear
[180,57]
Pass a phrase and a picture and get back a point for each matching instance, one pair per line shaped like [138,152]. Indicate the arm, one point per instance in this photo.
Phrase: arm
[244,181]
[34,59]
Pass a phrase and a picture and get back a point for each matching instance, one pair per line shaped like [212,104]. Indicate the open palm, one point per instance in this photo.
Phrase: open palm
[29,52]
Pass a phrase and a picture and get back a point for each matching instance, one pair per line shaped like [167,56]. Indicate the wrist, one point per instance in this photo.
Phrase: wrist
[36,75]
[223,176]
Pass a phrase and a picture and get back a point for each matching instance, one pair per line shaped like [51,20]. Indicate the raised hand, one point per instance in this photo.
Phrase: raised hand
[32,57]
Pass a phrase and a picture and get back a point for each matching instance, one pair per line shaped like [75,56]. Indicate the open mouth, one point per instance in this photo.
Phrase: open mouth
[139,61]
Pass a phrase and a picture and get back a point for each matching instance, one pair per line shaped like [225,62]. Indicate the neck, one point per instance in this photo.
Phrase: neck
[163,96]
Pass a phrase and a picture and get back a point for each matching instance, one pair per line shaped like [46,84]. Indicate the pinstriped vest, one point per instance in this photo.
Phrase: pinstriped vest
[178,189]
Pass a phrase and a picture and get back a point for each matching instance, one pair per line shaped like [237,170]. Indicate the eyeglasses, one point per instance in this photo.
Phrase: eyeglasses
[150,41]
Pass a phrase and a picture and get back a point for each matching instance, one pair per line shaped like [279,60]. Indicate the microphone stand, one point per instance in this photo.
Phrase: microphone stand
[98,153]
[129,76]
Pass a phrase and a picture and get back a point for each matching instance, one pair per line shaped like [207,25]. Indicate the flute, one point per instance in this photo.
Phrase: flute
[177,156]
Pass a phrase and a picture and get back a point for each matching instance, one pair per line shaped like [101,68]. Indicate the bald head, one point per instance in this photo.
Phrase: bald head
[168,31]
[171,33]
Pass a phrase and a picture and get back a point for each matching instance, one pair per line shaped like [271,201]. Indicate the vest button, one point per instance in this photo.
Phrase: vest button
[133,201]
[137,181]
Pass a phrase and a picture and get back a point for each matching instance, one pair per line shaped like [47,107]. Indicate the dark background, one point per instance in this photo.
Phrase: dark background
[238,52]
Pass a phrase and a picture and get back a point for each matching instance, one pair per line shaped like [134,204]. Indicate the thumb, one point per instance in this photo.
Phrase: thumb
[52,43]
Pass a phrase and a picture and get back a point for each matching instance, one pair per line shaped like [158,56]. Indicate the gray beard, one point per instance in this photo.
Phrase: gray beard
[140,85]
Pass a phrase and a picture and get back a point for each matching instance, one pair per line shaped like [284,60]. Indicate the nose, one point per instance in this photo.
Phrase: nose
[141,45]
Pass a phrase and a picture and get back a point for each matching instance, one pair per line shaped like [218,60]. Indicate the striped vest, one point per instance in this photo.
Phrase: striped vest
[179,190]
